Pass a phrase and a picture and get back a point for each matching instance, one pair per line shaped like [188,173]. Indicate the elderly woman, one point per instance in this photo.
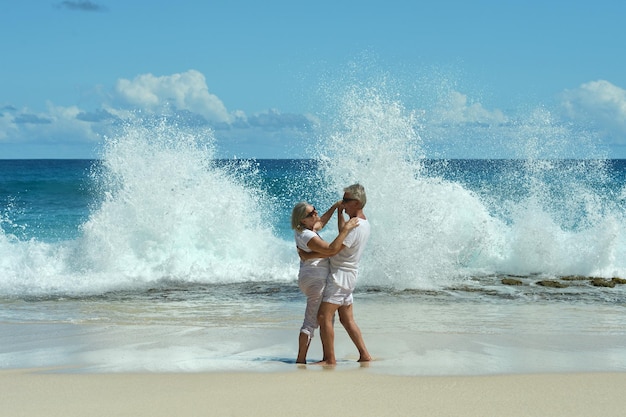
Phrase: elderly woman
[313,272]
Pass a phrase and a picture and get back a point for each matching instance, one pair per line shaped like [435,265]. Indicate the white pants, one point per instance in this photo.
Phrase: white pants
[313,288]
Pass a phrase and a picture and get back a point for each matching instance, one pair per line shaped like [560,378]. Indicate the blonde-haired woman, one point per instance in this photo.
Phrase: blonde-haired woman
[313,273]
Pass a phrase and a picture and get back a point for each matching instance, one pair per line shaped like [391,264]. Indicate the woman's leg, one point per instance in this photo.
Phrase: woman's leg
[313,288]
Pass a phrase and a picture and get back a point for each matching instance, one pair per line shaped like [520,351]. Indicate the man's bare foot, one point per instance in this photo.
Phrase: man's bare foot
[365,359]
[324,363]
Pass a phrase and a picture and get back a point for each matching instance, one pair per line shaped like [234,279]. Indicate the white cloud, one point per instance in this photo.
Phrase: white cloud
[455,109]
[456,125]
[57,125]
[274,119]
[8,128]
[184,91]
[53,133]
[67,125]
[183,97]
[598,102]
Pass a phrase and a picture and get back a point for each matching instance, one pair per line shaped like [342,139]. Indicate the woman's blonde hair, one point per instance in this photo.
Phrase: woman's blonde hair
[298,214]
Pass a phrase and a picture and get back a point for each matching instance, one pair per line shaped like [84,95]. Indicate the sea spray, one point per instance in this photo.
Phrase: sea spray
[423,228]
[166,212]
[540,214]
[170,211]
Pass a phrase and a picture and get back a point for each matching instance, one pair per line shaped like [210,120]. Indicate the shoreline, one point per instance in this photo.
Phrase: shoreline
[35,392]
[153,348]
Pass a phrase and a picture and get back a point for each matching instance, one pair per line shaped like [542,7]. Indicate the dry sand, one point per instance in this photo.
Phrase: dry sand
[308,392]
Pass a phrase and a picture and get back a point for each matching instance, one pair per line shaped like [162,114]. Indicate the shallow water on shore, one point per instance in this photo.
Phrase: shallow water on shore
[254,327]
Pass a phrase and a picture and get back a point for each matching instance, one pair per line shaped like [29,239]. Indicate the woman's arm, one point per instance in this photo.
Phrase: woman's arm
[323,249]
[326,216]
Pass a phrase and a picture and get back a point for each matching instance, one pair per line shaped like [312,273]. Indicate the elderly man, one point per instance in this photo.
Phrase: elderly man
[344,268]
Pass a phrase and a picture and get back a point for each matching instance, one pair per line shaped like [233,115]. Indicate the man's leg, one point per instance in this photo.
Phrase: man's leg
[346,317]
[327,332]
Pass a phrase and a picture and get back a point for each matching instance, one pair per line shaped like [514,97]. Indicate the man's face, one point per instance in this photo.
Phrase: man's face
[350,205]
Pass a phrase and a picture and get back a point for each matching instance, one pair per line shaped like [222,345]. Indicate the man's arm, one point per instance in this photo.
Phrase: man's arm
[341,221]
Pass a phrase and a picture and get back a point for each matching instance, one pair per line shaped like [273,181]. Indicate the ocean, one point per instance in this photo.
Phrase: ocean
[160,256]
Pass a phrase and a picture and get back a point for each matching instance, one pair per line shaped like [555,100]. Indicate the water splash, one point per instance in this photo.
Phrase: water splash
[172,211]
[168,211]
[544,213]
[423,227]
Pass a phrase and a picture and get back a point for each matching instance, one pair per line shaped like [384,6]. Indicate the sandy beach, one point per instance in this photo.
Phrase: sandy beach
[143,358]
[128,370]
[308,392]
[163,369]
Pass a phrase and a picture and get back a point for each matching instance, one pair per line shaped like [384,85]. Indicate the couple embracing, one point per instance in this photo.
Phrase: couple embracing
[328,271]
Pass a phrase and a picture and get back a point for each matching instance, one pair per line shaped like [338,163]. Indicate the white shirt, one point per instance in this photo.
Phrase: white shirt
[317,267]
[344,267]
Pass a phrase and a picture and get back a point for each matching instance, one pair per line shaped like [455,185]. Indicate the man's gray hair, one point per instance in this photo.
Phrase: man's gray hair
[357,192]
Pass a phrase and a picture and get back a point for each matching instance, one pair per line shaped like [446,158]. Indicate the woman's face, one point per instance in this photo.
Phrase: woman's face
[311,217]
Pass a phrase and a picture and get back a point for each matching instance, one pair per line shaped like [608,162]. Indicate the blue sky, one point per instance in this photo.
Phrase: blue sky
[482,75]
